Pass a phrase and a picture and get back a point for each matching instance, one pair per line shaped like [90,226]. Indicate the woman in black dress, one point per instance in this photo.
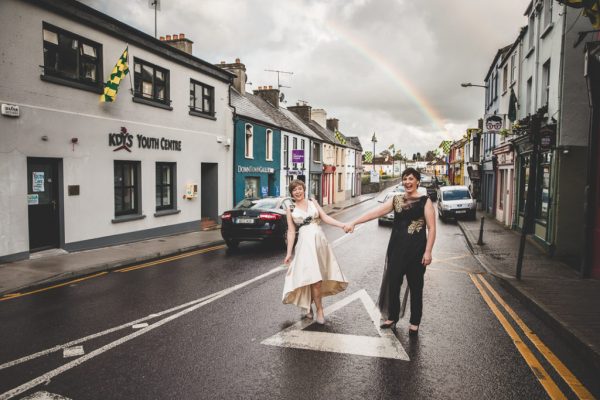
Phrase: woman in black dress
[408,252]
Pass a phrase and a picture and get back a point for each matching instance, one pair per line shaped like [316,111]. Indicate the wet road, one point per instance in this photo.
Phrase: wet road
[211,326]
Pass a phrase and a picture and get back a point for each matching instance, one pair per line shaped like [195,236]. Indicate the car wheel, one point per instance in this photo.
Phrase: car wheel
[232,244]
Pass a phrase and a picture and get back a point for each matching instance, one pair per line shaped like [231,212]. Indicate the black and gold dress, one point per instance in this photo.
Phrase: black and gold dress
[404,257]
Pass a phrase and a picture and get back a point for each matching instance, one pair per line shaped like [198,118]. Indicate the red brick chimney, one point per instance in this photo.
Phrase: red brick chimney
[303,111]
[239,69]
[179,41]
[268,94]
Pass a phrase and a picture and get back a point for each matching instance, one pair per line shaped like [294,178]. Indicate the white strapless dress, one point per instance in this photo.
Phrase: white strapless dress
[313,261]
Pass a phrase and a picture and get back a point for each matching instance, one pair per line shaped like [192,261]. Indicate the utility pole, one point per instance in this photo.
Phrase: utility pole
[156,5]
[279,86]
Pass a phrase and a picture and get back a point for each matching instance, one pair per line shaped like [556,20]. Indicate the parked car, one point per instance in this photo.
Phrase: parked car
[456,201]
[431,184]
[256,220]
[389,217]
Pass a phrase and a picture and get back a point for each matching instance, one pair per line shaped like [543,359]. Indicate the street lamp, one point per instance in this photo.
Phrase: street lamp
[469,84]
[374,140]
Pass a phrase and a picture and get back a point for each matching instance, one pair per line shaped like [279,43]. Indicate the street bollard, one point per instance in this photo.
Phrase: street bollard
[480,241]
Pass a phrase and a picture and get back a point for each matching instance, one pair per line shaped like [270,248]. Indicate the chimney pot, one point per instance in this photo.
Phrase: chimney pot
[270,87]
[222,62]
[162,38]
[175,37]
[181,36]
[237,60]
[168,37]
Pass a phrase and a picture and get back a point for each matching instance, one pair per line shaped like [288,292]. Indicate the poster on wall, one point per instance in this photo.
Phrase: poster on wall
[33,199]
[37,182]
[264,190]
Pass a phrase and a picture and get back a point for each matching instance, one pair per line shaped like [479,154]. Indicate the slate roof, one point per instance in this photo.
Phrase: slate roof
[304,128]
[355,142]
[324,133]
[246,108]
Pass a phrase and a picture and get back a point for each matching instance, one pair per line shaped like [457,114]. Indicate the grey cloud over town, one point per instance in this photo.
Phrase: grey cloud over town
[383,66]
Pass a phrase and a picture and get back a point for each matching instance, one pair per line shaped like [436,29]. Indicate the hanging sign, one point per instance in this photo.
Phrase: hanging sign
[298,156]
[493,123]
[38,182]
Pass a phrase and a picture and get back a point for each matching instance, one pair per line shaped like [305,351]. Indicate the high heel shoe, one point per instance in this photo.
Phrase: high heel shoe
[388,325]
[413,332]
[320,320]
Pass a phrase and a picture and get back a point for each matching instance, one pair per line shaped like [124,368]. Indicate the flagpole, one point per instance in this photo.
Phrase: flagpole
[130,80]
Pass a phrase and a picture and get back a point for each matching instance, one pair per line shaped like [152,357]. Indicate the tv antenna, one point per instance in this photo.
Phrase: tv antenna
[279,86]
[156,5]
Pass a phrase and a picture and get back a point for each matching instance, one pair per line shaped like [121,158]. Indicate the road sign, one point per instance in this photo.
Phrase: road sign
[384,346]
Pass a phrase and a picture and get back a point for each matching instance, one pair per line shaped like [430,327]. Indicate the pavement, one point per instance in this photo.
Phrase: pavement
[548,287]
[53,266]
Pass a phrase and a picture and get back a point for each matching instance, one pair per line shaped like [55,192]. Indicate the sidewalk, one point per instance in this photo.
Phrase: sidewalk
[548,287]
[55,265]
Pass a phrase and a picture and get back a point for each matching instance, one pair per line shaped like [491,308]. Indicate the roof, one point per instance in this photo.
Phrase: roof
[355,141]
[326,134]
[88,16]
[275,114]
[500,53]
[304,129]
[246,108]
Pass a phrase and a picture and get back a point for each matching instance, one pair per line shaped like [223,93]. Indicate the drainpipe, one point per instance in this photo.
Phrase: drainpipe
[233,116]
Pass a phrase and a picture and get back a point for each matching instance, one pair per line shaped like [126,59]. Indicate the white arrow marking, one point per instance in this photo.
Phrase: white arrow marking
[384,346]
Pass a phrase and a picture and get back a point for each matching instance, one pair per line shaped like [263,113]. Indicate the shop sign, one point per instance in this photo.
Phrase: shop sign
[295,172]
[255,169]
[298,156]
[37,182]
[125,140]
[493,123]
[264,190]
[547,135]
[10,110]
[33,199]
[329,169]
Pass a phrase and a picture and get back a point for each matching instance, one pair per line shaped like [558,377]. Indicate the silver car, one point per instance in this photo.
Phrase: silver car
[456,201]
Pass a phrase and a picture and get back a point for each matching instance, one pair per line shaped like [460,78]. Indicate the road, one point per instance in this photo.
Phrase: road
[211,325]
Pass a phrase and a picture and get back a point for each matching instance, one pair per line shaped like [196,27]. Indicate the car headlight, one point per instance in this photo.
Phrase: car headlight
[445,207]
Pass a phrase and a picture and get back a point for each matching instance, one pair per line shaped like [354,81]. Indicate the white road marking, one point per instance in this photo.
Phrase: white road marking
[196,305]
[384,346]
[140,326]
[45,396]
[73,351]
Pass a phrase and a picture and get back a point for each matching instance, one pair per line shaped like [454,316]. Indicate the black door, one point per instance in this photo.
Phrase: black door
[42,197]
[209,191]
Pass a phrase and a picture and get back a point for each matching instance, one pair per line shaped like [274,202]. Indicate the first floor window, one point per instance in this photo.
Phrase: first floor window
[316,151]
[340,182]
[72,57]
[249,142]
[127,187]
[269,141]
[151,82]
[286,151]
[202,98]
[165,186]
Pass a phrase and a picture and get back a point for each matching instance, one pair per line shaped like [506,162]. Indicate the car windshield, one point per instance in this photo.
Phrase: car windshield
[268,203]
[456,194]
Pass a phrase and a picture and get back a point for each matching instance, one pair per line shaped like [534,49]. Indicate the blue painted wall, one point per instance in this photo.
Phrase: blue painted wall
[240,162]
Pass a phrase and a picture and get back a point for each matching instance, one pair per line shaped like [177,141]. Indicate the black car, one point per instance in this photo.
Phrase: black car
[256,220]
[431,184]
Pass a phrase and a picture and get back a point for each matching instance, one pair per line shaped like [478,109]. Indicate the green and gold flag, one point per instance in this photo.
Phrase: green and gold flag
[591,9]
[368,157]
[118,73]
[445,146]
[340,138]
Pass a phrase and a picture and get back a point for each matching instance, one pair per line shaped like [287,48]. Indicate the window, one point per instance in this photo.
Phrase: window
[202,98]
[302,146]
[531,27]
[543,198]
[286,151]
[72,59]
[165,186]
[340,181]
[316,152]
[505,79]
[249,141]
[151,83]
[547,13]
[251,187]
[269,142]
[294,147]
[127,188]
[546,82]
[529,94]
[524,182]
[513,67]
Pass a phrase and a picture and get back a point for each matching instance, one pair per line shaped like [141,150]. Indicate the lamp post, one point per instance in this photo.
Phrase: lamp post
[469,84]
[374,140]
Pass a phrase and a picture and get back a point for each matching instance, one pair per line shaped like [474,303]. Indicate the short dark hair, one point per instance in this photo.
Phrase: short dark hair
[294,184]
[413,172]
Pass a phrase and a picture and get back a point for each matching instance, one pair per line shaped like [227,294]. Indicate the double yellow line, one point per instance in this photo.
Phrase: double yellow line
[538,370]
[127,269]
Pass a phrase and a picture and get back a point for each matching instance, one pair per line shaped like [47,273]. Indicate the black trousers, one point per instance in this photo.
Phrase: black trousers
[415,278]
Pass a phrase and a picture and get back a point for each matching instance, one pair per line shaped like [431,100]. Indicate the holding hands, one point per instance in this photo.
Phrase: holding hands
[348,228]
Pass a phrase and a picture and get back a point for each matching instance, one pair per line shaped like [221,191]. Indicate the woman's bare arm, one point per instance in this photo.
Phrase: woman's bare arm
[291,235]
[430,221]
[326,218]
[377,212]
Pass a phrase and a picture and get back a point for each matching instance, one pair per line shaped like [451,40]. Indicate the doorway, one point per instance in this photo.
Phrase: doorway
[43,199]
[209,191]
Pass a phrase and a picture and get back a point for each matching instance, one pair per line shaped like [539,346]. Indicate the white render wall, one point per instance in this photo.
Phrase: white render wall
[307,154]
[61,113]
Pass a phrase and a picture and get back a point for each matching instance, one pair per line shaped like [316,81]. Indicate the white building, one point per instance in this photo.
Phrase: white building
[77,173]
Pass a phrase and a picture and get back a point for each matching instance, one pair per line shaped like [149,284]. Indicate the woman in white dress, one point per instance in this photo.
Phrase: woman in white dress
[313,272]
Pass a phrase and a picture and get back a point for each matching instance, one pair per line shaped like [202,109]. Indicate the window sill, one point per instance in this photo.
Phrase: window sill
[202,115]
[73,84]
[127,218]
[162,213]
[151,103]
[547,30]
[269,159]
[249,158]
[529,52]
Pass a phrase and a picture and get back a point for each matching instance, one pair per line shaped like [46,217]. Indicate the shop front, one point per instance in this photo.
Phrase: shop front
[253,182]
[504,160]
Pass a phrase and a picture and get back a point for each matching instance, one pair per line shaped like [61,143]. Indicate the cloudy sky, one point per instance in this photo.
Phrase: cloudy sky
[392,67]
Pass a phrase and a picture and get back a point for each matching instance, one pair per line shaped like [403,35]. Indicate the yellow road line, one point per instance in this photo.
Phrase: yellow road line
[15,295]
[173,258]
[538,370]
[562,370]
[11,296]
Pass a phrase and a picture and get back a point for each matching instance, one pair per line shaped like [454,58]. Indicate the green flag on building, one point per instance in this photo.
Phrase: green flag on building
[118,73]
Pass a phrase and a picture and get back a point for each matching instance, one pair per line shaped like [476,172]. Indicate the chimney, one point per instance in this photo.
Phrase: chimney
[303,111]
[239,69]
[268,94]
[332,124]
[319,116]
[178,41]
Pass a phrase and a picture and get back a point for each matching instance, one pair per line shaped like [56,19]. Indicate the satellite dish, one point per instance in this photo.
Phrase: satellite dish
[281,97]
